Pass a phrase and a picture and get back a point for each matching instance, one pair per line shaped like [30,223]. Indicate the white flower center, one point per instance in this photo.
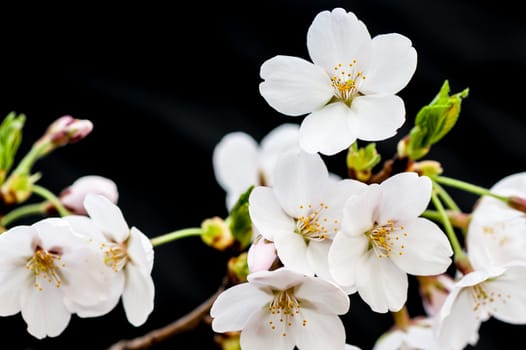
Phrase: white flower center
[115,255]
[346,80]
[46,265]
[485,300]
[314,226]
[387,239]
[283,309]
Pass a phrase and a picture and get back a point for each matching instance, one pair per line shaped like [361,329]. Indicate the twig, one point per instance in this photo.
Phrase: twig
[183,324]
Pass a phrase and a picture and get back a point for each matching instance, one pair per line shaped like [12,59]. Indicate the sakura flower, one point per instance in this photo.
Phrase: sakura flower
[73,196]
[301,213]
[128,253]
[382,239]
[494,291]
[281,309]
[418,336]
[239,162]
[349,89]
[46,268]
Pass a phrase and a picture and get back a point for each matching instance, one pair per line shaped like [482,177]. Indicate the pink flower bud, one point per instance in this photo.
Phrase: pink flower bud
[73,196]
[261,255]
[67,129]
[434,291]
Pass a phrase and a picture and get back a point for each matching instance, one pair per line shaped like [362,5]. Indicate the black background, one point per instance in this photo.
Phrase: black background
[162,85]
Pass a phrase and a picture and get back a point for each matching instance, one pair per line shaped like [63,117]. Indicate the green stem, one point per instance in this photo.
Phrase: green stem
[175,235]
[465,186]
[457,248]
[37,151]
[22,211]
[432,215]
[448,201]
[46,194]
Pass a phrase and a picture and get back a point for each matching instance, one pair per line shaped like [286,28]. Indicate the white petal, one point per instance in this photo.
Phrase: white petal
[344,257]
[359,212]
[325,297]
[377,117]
[404,196]
[85,226]
[279,279]
[107,216]
[235,161]
[44,311]
[508,295]
[234,306]
[140,250]
[292,251]
[294,86]
[327,130]
[138,295]
[421,248]
[267,215]
[104,306]
[282,139]
[392,66]
[459,326]
[299,181]
[338,37]
[318,258]
[258,334]
[381,284]
[16,243]
[320,332]
[12,281]
[391,340]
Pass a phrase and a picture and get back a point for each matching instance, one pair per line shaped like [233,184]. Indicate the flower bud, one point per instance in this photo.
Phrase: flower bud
[73,196]
[216,233]
[517,203]
[261,255]
[434,291]
[238,268]
[427,168]
[66,130]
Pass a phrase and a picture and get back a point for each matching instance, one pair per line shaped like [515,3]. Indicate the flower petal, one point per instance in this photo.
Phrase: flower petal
[235,161]
[279,279]
[294,86]
[393,63]
[508,295]
[292,251]
[107,216]
[404,196]
[381,284]
[15,245]
[140,250]
[317,256]
[234,306]
[138,295]
[421,248]
[377,117]
[320,331]
[283,138]
[359,211]
[299,181]
[258,335]
[327,130]
[325,297]
[344,257]
[85,226]
[391,340]
[267,215]
[44,311]
[338,37]
[12,280]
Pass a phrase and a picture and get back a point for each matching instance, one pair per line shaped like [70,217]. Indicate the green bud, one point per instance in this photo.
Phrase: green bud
[10,138]
[216,233]
[18,188]
[361,161]
[238,268]
[433,122]
[427,168]
[239,221]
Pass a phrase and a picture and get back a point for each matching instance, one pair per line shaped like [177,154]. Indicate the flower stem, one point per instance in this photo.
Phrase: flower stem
[465,186]
[401,318]
[175,235]
[46,194]
[22,211]
[448,201]
[457,248]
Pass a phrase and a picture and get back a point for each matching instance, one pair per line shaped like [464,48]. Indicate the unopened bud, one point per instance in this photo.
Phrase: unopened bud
[261,255]
[73,196]
[238,268]
[434,291]
[427,168]
[517,203]
[216,233]
[66,130]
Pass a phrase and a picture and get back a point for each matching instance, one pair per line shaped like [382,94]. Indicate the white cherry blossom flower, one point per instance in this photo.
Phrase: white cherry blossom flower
[281,309]
[73,196]
[128,253]
[240,162]
[46,268]
[301,213]
[418,336]
[349,89]
[382,240]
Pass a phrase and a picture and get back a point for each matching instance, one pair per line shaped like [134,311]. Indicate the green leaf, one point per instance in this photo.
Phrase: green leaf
[10,138]
[240,223]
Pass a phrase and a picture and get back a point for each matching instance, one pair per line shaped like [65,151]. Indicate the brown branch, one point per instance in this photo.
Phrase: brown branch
[183,324]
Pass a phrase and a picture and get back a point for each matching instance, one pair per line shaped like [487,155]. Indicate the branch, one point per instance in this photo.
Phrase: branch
[183,324]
